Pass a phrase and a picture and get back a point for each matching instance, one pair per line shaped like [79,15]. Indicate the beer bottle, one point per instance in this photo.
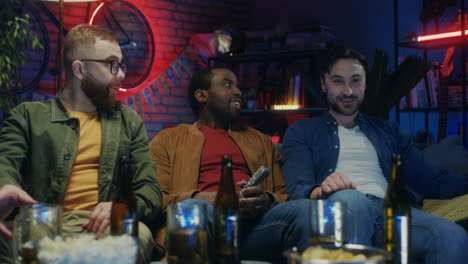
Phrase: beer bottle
[124,218]
[397,215]
[226,220]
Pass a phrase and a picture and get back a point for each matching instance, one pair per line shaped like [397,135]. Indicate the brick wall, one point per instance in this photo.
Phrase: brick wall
[173,24]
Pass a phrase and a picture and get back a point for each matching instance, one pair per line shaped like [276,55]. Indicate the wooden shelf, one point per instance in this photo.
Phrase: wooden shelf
[459,41]
[457,83]
[430,110]
[265,56]
[315,110]
[269,121]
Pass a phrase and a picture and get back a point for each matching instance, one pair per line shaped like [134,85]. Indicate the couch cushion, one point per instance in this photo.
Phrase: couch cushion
[449,154]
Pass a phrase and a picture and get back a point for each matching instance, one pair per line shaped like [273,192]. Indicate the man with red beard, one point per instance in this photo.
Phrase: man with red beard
[66,150]
[345,155]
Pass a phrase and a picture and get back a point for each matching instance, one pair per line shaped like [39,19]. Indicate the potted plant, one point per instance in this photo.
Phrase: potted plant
[385,89]
[16,37]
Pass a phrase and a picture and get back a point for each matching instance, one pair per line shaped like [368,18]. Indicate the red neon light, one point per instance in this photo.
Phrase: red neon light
[95,13]
[441,36]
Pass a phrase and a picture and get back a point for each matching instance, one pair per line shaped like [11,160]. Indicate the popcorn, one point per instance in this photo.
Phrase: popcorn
[340,255]
[86,249]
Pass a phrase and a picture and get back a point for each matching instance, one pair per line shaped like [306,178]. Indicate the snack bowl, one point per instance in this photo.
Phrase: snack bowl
[329,254]
[88,249]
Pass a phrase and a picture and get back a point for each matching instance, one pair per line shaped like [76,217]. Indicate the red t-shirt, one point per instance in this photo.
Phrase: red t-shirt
[217,144]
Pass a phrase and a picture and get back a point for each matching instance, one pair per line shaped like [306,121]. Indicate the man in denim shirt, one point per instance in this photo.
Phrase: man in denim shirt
[345,155]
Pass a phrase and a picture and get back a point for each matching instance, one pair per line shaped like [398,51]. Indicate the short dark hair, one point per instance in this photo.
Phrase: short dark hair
[335,53]
[83,37]
[200,80]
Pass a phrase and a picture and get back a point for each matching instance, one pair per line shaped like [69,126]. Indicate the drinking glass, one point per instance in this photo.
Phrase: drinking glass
[330,223]
[187,227]
[33,223]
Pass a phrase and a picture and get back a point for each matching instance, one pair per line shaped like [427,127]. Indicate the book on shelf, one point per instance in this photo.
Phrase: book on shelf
[455,96]
[273,89]
[434,84]
[421,91]
[293,92]
[297,89]
[290,93]
[418,96]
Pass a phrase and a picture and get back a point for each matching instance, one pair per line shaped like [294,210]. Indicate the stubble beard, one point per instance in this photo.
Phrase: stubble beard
[224,114]
[343,111]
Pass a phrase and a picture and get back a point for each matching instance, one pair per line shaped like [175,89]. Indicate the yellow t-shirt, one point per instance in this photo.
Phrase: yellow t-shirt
[82,189]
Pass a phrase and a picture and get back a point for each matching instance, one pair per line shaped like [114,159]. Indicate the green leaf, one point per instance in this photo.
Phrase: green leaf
[385,89]
[17,37]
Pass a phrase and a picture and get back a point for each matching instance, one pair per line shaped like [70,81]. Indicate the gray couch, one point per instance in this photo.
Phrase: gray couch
[451,155]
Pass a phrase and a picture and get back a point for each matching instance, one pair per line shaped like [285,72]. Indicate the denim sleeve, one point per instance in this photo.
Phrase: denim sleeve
[424,177]
[298,163]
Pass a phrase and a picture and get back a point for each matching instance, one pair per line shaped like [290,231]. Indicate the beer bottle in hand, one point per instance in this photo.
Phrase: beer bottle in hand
[226,219]
[124,219]
[397,215]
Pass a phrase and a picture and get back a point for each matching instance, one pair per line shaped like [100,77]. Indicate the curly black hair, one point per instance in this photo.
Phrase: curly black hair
[200,80]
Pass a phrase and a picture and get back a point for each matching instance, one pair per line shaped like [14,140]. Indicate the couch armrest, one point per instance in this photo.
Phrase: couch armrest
[455,209]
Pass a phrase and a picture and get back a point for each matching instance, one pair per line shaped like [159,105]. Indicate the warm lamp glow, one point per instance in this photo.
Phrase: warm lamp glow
[440,36]
[286,107]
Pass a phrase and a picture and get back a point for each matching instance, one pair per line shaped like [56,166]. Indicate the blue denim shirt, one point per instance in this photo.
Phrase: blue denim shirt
[311,147]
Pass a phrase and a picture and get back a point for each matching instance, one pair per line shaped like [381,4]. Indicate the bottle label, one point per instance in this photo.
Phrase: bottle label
[232,228]
[397,237]
[122,221]
[226,236]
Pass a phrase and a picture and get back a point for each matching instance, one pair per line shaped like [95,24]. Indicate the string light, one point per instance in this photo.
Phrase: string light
[440,36]
[286,107]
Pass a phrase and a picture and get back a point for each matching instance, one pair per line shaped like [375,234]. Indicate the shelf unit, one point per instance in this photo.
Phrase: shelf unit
[459,42]
[264,56]
[428,110]
[281,56]
[270,117]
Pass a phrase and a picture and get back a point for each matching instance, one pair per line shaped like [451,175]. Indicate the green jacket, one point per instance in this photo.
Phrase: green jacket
[38,145]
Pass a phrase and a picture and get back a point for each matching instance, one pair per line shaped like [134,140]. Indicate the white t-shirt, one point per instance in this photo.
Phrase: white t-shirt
[358,160]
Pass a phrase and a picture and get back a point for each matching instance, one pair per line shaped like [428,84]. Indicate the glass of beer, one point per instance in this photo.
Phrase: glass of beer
[33,223]
[330,223]
[187,227]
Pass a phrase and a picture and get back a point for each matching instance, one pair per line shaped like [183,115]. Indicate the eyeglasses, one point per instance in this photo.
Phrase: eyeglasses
[114,65]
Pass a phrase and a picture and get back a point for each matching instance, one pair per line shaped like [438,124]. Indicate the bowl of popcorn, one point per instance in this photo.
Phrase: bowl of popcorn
[347,254]
[88,249]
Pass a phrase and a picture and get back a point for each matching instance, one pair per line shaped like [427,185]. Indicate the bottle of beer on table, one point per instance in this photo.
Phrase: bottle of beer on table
[226,221]
[397,215]
[124,218]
